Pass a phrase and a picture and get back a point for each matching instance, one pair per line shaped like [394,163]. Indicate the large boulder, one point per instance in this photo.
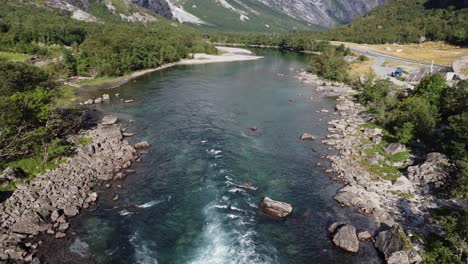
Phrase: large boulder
[396,247]
[395,148]
[344,236]
[433,172]
[274,209]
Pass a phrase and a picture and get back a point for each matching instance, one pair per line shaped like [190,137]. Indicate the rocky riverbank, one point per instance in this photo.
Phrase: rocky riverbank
[45,204]
[382,180]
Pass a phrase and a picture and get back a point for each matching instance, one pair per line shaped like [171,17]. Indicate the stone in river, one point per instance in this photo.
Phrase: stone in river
[98,100]
[142,145]
[109,120]
[105,97]
[307,136]
[364,235]
[274,209]
[344,236]
[127,134]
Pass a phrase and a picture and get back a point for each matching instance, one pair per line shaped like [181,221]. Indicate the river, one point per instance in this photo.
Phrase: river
[184,204]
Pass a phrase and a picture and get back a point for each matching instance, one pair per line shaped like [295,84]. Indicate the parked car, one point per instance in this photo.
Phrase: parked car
[397,73]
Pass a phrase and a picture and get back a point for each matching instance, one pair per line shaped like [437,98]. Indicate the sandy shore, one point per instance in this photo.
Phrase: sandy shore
[229,55]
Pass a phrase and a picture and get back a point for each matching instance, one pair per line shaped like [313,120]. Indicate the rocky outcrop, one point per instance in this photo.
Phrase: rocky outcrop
[274,209]
[344,236]
[160,7]
[8,175]
[432,173]
[396,247]
[46,203]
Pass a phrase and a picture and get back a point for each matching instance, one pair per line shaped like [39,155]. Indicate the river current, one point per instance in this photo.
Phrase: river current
[185,203]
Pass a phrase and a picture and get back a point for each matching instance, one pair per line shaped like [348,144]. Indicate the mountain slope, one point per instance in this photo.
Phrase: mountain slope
[408,21]
[325,12]
[237,15]
[272,15]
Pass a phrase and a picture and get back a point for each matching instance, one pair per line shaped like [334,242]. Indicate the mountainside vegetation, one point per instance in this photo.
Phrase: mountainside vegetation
[402,21]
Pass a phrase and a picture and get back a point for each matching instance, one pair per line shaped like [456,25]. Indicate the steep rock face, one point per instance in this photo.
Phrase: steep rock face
[160,7]
[81,4]
[325,12]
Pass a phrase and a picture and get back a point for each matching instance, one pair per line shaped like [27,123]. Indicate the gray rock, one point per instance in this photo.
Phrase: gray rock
[60,235]
[29,227]
[403,184]
[344,237]
[109,120]
[98,100]
[142,145]
[399,257]
[105,97]
[364,235]
[274,209]
[396,247]
[395,148]
[435,170]
[307,136]
[71,211]
[9,174]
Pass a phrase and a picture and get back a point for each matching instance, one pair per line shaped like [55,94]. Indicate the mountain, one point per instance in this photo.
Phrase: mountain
[270,15]
[408,21]
[223,15]
[327,13]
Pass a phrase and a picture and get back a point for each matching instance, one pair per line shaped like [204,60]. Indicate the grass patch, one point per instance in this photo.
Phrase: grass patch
[99,81]
[361,68]
[403,195]
[65,96]
[382,169]
[10,56]
[83,141]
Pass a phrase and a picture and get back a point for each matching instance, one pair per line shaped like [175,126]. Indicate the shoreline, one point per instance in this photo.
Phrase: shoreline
[230,55]
[399,199]
[45,204]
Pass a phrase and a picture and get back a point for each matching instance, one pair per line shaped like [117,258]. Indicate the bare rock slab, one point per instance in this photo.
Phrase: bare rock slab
[274,209]
[344,236]
[109,120]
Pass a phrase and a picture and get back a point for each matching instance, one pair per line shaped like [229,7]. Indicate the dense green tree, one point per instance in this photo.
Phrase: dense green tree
[330,65]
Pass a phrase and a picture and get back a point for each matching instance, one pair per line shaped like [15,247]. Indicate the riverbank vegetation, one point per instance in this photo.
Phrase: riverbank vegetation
[34,129]
[433,117]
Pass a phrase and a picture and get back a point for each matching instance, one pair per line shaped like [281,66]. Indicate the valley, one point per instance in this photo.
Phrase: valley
[233,131]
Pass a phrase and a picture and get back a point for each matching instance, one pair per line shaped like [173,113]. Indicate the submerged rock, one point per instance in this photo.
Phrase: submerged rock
[344,236]
[142,145]
[274,209]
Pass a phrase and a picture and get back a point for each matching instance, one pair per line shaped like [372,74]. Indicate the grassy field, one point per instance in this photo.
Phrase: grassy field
[99,81]
[439,52]
[361,68]
[13,56]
